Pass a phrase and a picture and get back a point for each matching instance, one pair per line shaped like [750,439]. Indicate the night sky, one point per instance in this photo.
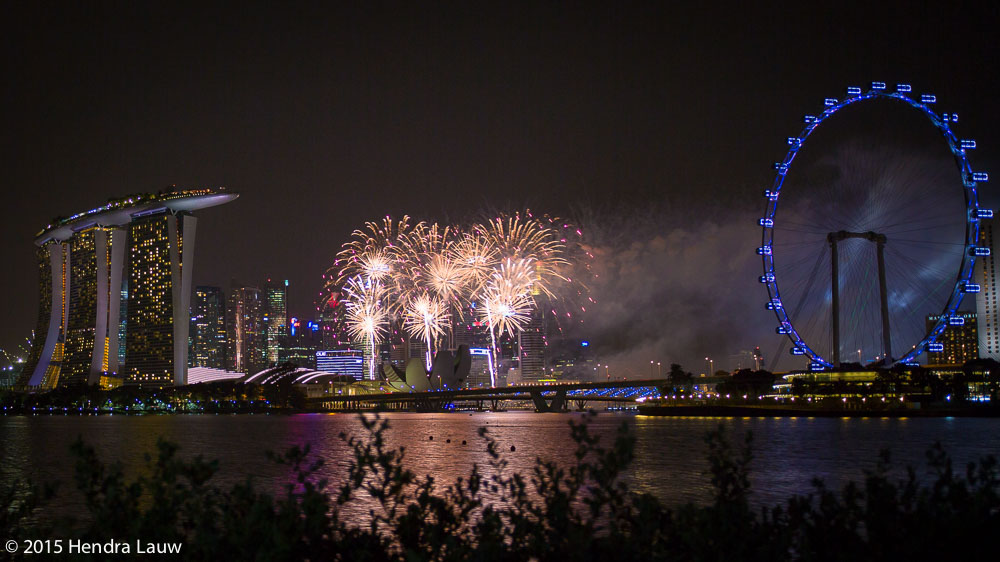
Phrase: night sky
[658,123]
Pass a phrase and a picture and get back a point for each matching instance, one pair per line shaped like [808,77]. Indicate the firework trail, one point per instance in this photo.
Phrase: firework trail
[427,319]
[506,304]
[366,316]
[477,258]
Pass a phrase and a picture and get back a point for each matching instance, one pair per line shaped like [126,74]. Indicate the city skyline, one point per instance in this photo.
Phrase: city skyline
[356,115]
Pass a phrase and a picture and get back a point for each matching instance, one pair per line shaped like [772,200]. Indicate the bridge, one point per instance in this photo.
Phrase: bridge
[555,397]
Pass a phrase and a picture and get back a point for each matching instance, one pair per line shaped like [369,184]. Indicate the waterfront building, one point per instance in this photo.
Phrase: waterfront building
[275,316]
[345,362]
[156,340]
[208,329]
[114,291]
[987,305]
[960,343]
[246,334]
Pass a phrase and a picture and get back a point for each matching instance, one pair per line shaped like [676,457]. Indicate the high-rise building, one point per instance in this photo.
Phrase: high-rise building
[208,329]
[960,343]
[531,347]
[245,329]
[115,289]
[275,316]
[300,345]
[160,263]
[987,304]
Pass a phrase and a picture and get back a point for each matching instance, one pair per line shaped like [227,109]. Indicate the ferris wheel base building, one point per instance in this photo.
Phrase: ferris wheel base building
[114,292]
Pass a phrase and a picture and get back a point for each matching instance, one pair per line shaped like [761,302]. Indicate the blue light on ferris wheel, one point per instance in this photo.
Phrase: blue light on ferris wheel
[967,143]
[904,88]
[956,321]
[878,85]
[767,223]
[984,213]
[971,288]
[928,98]
[853,91]
[980,176]
[980,251]
[797,350]
[935,347]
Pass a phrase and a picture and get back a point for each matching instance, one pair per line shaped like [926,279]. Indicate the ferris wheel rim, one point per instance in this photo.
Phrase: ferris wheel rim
[970,179]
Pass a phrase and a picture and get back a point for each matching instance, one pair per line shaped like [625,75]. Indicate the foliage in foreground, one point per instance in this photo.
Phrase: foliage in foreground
[584,511]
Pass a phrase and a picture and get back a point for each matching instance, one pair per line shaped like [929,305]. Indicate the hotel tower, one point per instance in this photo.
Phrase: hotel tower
[115,291]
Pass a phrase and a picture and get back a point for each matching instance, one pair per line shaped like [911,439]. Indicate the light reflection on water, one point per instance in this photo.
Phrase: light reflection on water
[670,452]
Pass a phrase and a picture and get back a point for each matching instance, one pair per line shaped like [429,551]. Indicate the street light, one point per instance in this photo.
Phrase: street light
[650,368]
[659,371]
[711,366]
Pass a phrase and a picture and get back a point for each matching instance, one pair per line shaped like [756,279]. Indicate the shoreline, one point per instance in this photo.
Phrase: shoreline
[796,412]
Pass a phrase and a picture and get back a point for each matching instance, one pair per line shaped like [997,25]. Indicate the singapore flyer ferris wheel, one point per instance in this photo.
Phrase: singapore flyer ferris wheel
[868,253]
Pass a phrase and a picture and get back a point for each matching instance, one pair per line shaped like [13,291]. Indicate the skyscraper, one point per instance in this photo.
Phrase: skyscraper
[531,347]
[245,329]
[987,305]
[275,316]
[208,329]
[118,274]
[156,340]
[960,343]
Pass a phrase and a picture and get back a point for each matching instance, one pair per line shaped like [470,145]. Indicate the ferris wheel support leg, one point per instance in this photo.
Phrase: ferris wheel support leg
[883,294]
[835,286]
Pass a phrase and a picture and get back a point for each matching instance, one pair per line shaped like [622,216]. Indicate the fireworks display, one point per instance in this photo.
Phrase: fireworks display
[423,277]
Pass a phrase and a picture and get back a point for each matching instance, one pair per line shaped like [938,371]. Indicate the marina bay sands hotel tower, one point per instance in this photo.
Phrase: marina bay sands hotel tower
[115,292]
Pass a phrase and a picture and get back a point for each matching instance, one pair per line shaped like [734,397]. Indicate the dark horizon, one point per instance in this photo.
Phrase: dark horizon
[661,121]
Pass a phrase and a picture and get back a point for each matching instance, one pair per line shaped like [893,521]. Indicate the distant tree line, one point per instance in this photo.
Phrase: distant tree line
[222,396]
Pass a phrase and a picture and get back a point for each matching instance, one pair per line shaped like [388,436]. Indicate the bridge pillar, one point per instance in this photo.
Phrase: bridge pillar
[557,404]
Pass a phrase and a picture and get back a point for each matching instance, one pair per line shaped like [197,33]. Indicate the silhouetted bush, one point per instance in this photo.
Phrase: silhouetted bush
[583,511]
